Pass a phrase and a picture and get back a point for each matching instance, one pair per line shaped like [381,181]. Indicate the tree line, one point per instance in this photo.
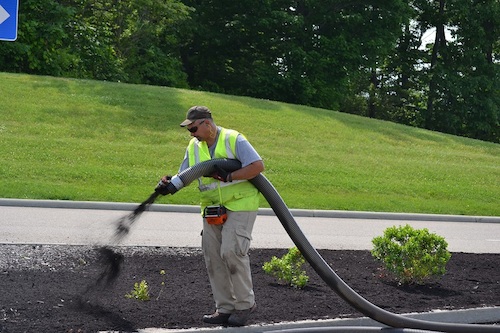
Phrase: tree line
[356,56]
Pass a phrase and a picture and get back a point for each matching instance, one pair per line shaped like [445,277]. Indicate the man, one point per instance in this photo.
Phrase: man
[225,246]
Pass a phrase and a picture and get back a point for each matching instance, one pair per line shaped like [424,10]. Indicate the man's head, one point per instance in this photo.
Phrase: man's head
[196,112]
[200,124]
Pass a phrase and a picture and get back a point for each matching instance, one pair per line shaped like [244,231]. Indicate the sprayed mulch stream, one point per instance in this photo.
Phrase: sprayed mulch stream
[55,288]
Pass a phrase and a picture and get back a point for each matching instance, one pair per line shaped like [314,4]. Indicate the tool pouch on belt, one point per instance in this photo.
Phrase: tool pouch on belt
[215,214]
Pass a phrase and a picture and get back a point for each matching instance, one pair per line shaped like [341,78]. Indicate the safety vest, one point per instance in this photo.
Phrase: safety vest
[238,195]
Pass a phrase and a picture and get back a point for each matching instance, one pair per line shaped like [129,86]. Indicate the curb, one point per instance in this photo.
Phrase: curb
[464,316]
[262,211]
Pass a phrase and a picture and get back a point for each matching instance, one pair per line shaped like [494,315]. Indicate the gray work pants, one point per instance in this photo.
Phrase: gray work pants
[225,249]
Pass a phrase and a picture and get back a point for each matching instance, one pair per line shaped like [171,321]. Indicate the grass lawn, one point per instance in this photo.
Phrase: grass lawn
[99,141]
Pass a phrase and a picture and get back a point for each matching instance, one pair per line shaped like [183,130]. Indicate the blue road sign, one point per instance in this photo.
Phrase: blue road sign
[8,19]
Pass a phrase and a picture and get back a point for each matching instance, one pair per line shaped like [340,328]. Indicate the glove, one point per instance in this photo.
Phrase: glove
[221,174]
[162,185]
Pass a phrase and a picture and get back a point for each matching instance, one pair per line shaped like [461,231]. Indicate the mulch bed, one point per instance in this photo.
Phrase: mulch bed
[56,288]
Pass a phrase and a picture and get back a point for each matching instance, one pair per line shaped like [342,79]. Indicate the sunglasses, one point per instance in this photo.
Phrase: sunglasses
[195,128]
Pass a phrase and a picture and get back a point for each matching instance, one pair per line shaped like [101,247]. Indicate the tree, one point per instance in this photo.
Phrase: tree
[476,75]
[129,41]
[42,44]
[93,41]
[450,86]
[295,51]
[401,89]
[463,96]
[234,47]
[148,37]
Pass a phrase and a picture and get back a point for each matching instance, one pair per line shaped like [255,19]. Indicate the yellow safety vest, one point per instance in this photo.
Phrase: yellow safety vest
[239,195]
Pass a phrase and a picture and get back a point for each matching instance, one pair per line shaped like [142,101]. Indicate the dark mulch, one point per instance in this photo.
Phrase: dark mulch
[53,288]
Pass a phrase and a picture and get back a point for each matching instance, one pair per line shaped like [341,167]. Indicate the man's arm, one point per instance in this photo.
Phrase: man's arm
[248,172]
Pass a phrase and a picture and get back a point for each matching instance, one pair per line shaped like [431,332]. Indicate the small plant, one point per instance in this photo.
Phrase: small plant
[288,268]
[140,291]
[162,273]
[412,255]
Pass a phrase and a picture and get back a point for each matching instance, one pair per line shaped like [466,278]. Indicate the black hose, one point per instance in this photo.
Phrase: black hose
[206,168]
[314,258]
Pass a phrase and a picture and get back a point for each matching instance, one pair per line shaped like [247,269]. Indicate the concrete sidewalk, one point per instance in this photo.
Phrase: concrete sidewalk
[467,316]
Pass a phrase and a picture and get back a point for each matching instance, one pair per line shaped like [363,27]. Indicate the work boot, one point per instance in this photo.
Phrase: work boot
[240,317]
[216,318]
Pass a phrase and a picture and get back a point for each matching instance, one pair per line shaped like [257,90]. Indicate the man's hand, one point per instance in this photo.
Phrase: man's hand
[162,185]
[221,174]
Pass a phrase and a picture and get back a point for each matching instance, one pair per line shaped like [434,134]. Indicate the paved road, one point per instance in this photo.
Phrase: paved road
[38,222]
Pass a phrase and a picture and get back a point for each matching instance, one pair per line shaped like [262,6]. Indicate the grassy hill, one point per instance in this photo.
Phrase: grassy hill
[99,141]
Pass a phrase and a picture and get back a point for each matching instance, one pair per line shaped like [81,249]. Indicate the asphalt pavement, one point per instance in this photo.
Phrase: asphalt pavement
[94,223]
[80,223]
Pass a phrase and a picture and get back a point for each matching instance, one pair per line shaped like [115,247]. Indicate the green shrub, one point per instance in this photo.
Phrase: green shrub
[288,268]
[412,255]
[140,291]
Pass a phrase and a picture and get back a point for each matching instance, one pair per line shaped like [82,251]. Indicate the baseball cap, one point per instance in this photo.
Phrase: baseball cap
[196,112]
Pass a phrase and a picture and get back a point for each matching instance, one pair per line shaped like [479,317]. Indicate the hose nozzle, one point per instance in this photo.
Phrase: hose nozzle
[173,185]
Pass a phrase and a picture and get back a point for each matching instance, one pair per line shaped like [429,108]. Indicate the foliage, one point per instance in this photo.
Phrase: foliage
[43,39]
[412,255]
[129,41]
[140,291]
[288,268]
[359,57]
